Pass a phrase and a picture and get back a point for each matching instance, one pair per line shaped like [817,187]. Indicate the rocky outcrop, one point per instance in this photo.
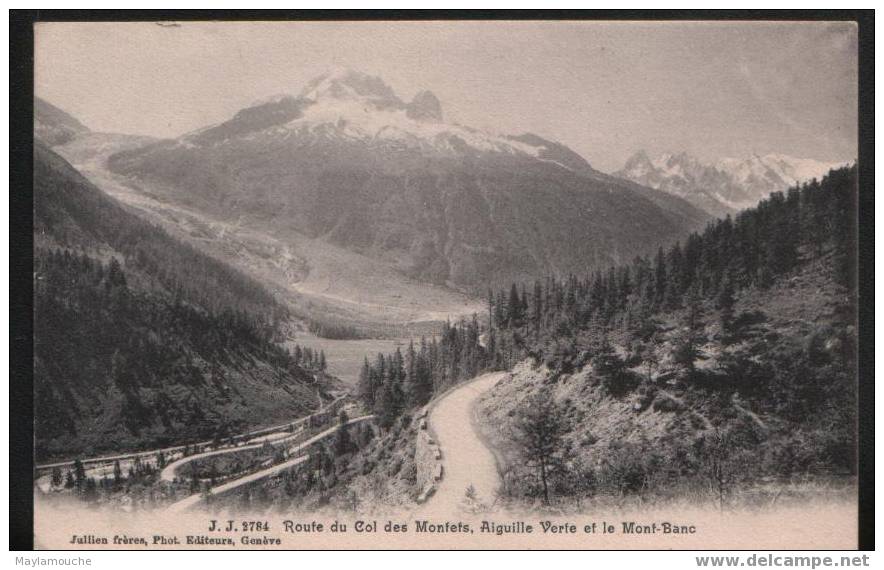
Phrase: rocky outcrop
[425,107]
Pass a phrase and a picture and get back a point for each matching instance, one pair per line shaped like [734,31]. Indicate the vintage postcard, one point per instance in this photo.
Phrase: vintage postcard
[445,284]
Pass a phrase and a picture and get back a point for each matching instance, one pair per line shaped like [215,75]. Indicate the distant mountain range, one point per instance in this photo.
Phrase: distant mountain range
[348,162]
[726,186]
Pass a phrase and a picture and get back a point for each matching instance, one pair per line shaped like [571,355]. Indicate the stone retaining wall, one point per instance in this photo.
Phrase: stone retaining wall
[427,458]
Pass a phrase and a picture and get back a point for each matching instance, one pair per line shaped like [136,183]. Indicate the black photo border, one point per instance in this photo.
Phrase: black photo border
[21,69]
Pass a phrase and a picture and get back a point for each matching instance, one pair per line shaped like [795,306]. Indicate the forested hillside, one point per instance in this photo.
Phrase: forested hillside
[70,212]
[811,228]
[395,384]
[141,341]
[719,363]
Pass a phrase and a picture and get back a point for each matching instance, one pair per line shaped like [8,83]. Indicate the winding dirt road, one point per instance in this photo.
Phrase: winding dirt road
[195,499]
[465,458]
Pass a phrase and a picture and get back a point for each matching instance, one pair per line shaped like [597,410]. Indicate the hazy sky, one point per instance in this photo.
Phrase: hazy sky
[604,89]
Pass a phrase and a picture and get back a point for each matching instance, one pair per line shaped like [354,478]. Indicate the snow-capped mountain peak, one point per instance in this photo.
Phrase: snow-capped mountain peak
[352,85]
[352,106]
[354,119]
[778,169]
[359,106]
[724,186]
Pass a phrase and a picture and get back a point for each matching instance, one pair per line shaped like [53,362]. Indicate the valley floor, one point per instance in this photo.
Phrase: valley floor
[345,357]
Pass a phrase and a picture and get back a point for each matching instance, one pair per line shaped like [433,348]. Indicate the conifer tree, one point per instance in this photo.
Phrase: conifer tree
[725,304]
[56,480]
[343,443]
[79,474]
[366,384]
[514,308]
[687,350]
[540,436]
[660,281]
[391,403]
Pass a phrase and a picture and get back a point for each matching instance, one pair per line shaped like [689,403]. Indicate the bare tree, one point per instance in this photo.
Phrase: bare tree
[720,469]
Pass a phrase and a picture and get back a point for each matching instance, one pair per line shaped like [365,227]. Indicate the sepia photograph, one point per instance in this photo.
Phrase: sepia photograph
[446,284]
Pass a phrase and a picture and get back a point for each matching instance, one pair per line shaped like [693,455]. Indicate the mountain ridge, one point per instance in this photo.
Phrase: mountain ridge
[724,186]
[55,126]
[448,204]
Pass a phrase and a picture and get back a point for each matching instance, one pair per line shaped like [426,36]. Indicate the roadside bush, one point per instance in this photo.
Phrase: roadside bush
[664,403]
[627,468]
[621,384]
